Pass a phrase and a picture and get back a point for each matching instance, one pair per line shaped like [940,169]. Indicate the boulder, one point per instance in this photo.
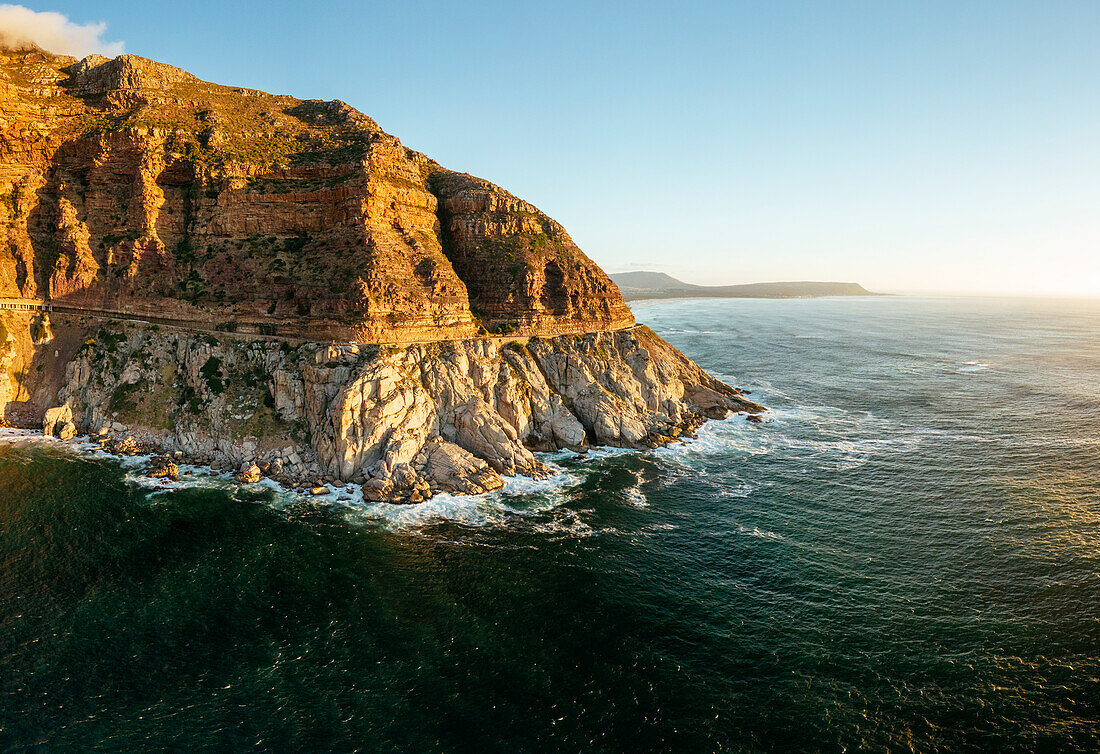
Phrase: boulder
[378,489]
[55,418]
[480,430]
[567,430]
[711,403]
[125,446]
[449,468]
[67,431]
[249,474]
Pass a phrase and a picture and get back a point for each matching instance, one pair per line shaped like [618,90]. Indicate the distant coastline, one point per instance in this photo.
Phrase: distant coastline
[636,286]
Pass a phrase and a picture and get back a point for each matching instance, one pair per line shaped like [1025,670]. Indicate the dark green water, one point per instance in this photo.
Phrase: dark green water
[908,558]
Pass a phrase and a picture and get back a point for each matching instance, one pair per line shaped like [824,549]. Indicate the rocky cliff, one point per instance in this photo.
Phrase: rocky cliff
[300,291]
[131,185]
[404,421]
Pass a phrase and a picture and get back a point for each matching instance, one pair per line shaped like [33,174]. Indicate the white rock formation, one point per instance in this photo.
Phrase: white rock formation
[404,421]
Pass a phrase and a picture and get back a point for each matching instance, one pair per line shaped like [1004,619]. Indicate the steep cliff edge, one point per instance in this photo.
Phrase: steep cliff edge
[522,270]
[246,279]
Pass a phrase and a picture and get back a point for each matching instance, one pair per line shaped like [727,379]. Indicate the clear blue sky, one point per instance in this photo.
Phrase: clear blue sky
[910,145]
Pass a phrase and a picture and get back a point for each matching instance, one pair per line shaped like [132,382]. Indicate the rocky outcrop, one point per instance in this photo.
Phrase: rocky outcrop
[164,469]
[56,419]
[250,473]
[404,422]
[96,74]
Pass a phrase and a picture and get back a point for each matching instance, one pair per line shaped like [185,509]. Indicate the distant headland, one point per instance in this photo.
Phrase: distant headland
[643,285]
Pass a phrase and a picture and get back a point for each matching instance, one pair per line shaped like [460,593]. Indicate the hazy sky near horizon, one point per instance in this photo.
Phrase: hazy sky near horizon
[931,146]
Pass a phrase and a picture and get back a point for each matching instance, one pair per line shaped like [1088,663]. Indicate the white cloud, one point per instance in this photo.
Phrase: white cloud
[54,32]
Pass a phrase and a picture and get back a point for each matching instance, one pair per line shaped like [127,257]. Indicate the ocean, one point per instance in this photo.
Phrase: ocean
[906,558]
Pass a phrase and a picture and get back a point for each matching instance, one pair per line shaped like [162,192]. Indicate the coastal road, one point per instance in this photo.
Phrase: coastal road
[252,332]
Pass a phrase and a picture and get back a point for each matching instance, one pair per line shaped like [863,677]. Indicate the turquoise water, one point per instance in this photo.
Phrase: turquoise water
[907,558]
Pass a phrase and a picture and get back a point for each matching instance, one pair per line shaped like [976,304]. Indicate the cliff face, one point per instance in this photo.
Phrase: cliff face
[404,421]
[244,279]
[131,185]
[522,270]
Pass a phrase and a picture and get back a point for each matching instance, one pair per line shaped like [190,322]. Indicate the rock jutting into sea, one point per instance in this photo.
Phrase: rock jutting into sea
[279,288]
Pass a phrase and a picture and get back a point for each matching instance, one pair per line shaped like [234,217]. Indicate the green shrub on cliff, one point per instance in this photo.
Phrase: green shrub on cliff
[212,372]
[122,398]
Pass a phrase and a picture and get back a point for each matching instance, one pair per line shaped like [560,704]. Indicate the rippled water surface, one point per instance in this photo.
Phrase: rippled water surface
[906,558]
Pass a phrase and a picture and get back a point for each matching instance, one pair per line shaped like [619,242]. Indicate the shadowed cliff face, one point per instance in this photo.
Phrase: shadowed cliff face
[521,268]
[130,185]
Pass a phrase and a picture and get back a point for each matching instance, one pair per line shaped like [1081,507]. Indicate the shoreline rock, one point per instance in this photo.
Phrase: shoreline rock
[404,423]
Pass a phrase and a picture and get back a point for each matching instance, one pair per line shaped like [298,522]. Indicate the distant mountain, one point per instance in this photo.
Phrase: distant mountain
[640,285]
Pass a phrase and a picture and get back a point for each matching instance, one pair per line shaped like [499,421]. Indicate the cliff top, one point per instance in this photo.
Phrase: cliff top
[236,124]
